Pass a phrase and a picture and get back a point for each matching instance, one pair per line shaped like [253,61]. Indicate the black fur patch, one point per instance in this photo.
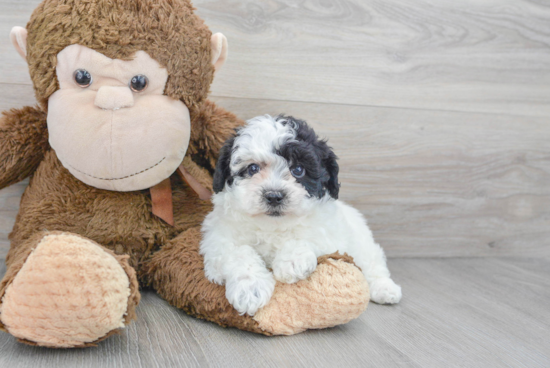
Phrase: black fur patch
[315,156]
[223,172]
[200,159]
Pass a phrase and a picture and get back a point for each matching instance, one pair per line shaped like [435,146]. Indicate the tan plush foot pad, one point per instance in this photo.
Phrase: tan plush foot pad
[334,294]
[68,293]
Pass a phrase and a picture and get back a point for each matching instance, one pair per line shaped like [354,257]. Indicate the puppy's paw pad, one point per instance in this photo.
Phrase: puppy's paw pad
[248,294]
[385,291]
[294,267]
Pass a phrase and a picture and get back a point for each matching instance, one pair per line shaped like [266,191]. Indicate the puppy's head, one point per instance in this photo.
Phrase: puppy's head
[276,167]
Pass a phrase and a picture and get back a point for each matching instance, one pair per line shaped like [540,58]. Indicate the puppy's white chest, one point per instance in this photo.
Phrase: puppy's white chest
[268,244]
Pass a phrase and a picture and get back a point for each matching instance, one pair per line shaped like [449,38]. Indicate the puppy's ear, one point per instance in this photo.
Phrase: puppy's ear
[332,168]
[223,172]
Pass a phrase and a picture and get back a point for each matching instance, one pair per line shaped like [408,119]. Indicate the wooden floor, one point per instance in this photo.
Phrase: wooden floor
[467,312]
[440,113]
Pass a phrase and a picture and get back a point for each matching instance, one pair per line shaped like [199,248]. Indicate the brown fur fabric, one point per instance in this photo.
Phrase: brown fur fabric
[167,30]
[24,142]
[120,221]
[209,132]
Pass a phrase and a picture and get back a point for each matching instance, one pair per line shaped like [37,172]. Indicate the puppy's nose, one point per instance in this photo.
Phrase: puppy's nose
[113,98]
[274,198]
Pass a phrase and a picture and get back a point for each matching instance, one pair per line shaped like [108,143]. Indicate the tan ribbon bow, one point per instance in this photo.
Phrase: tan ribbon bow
[161,195]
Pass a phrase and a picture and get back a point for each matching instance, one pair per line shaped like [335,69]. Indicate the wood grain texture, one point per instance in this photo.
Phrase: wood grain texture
[485,56]
[16,96]
[455,313]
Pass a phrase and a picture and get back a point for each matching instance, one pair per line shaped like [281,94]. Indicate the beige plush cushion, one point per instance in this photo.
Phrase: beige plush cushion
[334,294]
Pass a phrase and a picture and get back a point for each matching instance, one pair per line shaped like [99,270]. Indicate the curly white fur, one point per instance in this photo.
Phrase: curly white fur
[241,242]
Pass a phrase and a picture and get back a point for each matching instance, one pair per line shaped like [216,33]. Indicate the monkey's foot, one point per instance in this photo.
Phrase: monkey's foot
[70,292]
[335,293]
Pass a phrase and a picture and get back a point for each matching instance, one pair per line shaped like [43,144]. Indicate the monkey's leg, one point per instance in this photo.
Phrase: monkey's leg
[64,290]
[335,293]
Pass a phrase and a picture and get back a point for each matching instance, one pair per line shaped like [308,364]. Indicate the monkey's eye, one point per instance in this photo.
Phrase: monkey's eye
[139,83]
[83,78]
[298,172]
[253,169]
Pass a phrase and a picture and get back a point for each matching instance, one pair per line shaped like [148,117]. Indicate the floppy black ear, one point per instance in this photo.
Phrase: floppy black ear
[223,171]
[332,168]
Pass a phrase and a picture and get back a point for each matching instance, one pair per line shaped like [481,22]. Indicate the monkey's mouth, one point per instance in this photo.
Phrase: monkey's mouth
[122,177]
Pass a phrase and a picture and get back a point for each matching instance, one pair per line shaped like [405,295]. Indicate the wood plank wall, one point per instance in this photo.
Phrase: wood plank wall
[438,109]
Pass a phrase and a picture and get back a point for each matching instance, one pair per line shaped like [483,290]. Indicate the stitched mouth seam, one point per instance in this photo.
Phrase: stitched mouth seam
[125,177]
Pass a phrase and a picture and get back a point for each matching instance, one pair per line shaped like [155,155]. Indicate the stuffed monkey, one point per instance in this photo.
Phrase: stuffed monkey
[121,89]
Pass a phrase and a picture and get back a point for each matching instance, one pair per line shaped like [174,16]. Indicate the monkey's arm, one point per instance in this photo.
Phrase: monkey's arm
[23,142]
[210,128]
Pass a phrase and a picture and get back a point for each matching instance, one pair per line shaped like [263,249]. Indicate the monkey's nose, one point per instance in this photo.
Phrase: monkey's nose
[113,98]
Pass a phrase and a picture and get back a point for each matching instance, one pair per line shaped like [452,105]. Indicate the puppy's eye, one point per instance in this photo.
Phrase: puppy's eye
[298,172]
[83,78]
[138,83]
[253,169]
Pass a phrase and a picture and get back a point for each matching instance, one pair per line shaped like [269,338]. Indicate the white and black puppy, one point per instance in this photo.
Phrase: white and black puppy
[276,208]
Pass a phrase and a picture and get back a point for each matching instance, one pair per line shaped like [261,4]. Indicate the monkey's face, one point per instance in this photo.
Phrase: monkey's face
[110,124]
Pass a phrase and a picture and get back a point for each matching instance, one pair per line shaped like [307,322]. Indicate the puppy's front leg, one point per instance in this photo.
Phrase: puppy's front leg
[248,283]
[294,262]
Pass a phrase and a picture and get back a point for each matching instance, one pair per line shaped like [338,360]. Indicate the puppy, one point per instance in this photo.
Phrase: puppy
[275,207]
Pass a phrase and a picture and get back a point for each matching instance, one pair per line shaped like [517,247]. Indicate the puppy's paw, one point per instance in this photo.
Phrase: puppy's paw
[293,267]
[249,293]
[385,291]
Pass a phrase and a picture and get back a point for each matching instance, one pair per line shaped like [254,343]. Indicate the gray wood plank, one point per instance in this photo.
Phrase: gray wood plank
[479,312]
[484,56]
[16,96]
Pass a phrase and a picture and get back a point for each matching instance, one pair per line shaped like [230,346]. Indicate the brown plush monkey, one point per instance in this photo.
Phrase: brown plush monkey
[122,88]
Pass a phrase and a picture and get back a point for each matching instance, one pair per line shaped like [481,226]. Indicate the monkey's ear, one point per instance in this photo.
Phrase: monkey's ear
[223,171]
[219,50]
[18,36]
